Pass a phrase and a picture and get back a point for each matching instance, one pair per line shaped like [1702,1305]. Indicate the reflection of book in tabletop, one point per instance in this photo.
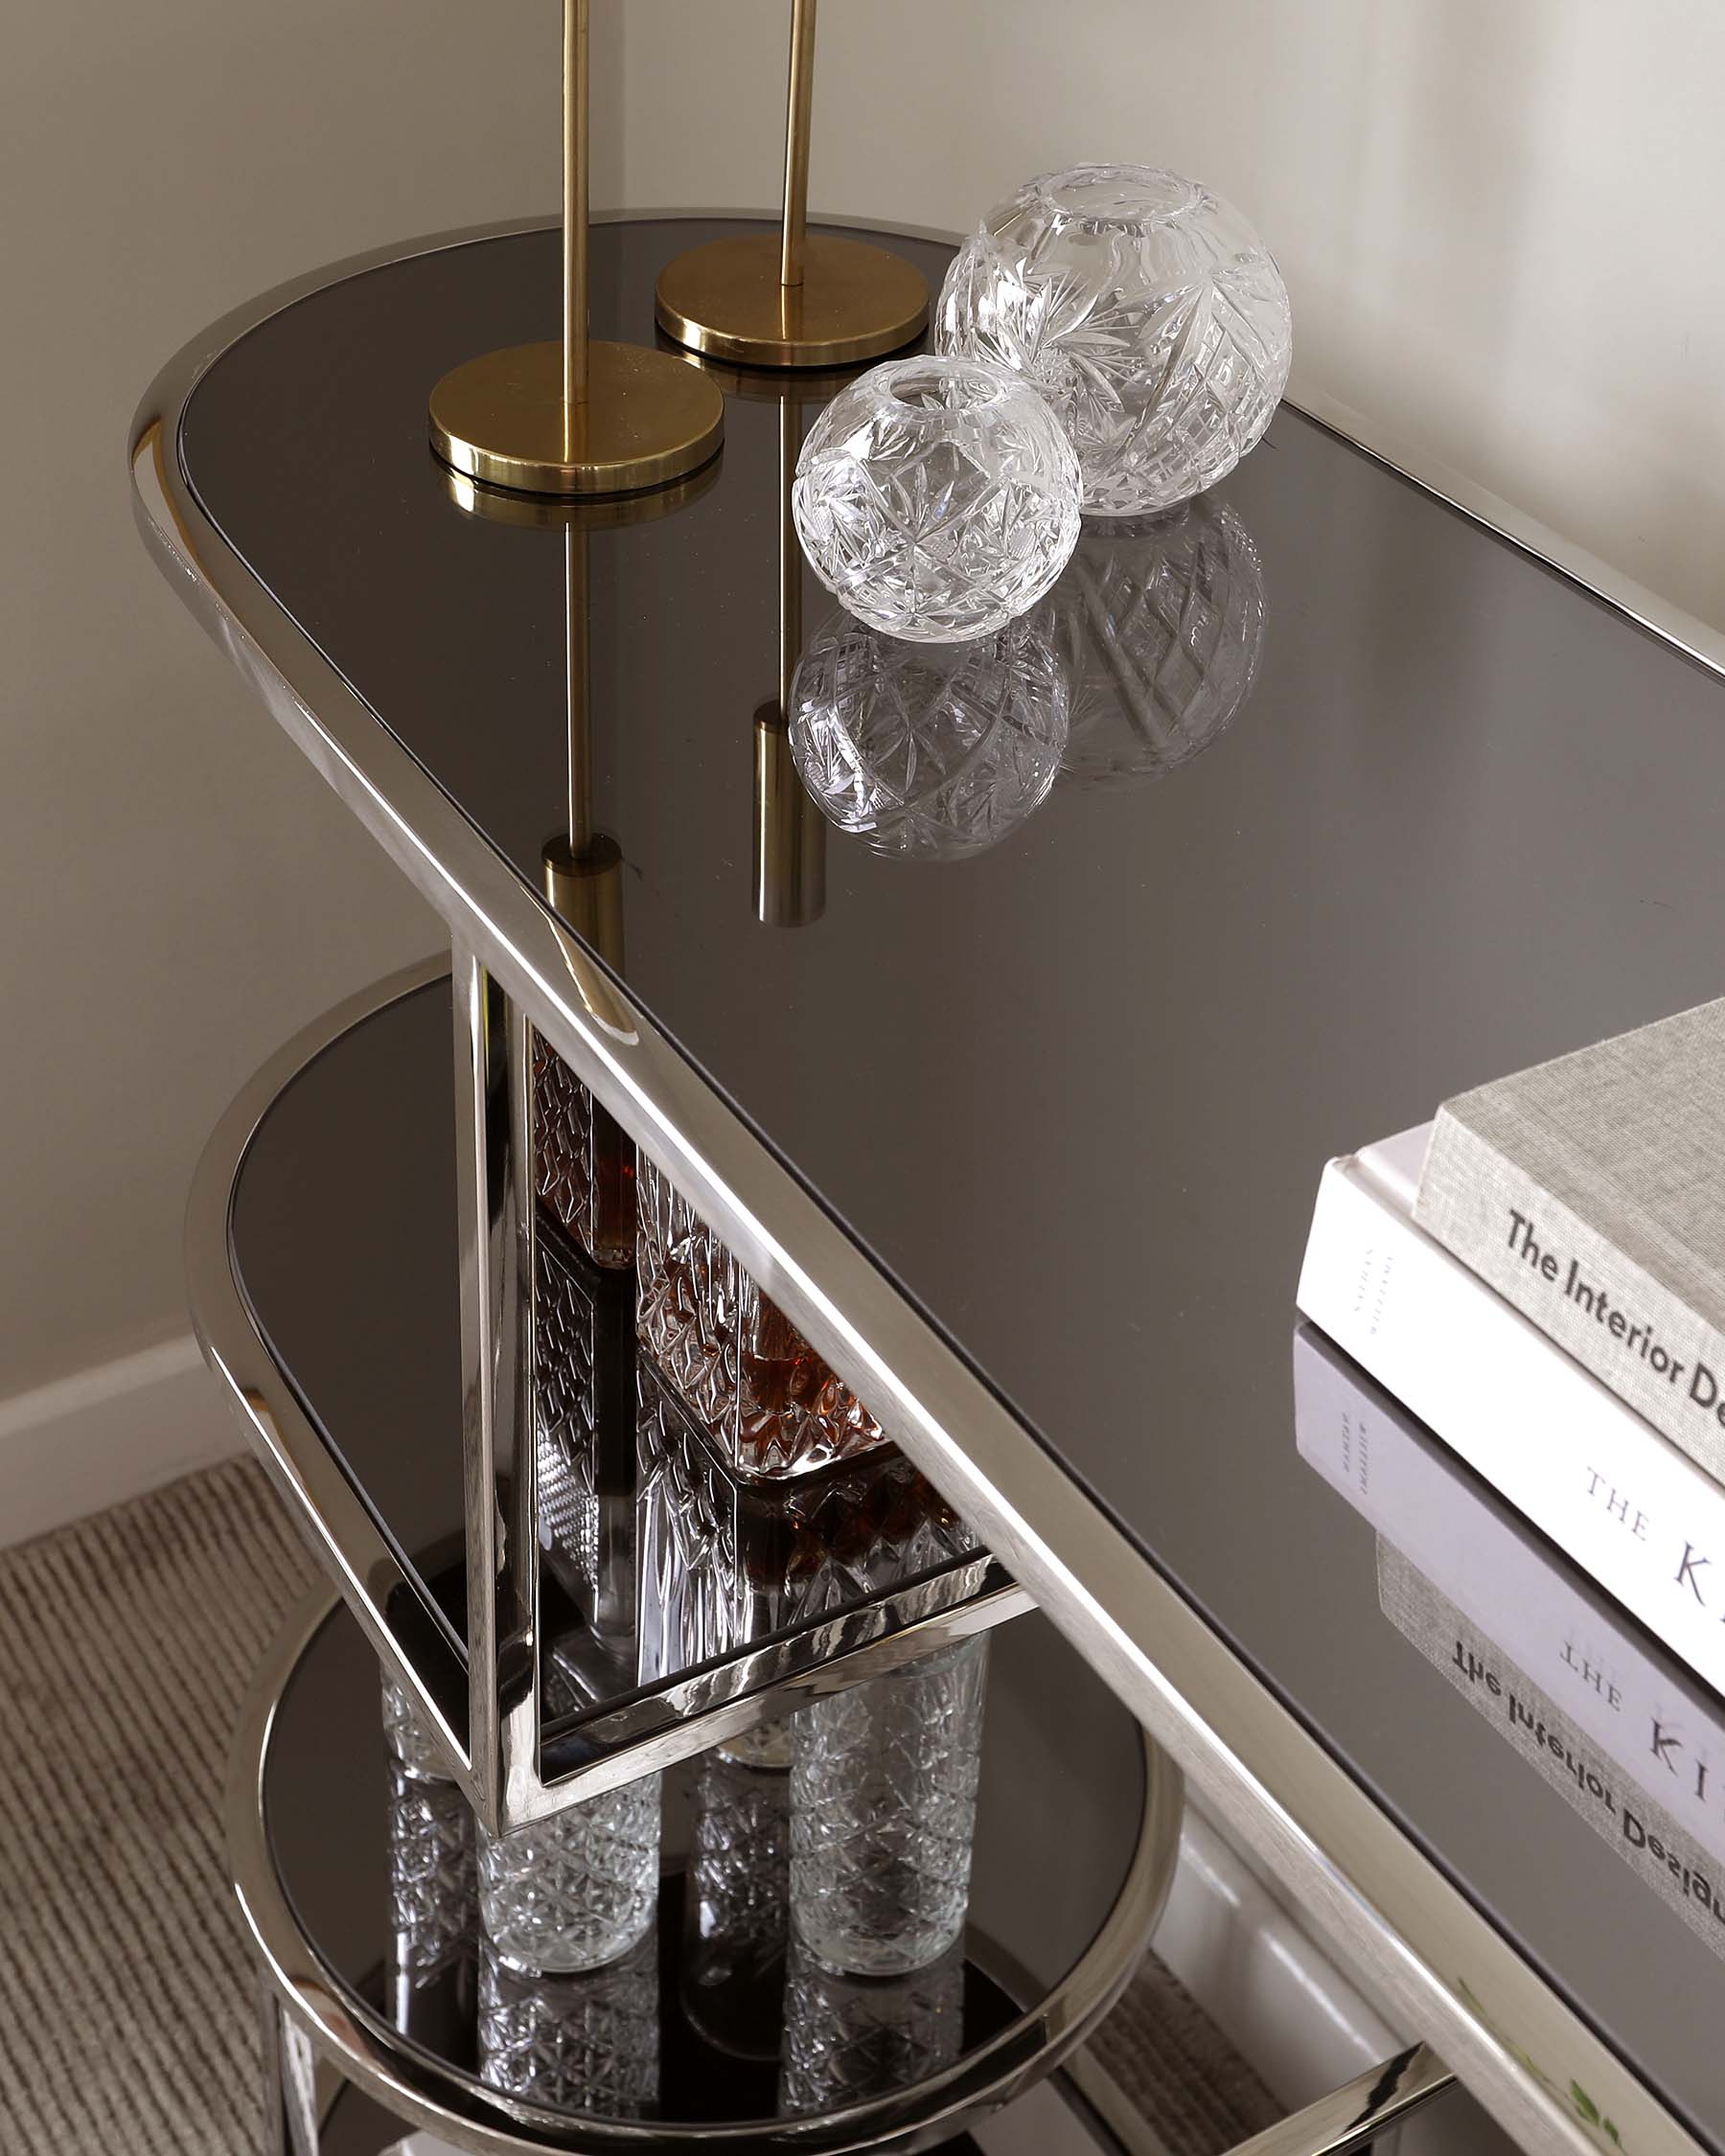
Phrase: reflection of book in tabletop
[724,1562]
[1661,1853]
[1569,1680]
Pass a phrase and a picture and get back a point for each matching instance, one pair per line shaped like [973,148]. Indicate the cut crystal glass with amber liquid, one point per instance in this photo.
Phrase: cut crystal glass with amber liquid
[584,1166]
[768,1402]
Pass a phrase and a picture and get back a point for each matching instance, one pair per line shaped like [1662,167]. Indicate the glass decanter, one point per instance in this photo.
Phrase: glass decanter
[769,1403]
[583,1401]
[724,1561]
[584,1166]
[884,1812]
[587,2042]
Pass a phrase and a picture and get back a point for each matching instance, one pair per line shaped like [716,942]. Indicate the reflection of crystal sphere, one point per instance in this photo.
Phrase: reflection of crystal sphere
[1149,313]
[1159,623]
[928,750]
[936,499]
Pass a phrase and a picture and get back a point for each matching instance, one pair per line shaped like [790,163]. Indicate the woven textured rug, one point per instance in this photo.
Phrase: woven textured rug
[127,2000]
[127,2014]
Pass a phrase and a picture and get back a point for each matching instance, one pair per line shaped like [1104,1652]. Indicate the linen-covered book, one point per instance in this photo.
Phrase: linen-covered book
[1590,1192]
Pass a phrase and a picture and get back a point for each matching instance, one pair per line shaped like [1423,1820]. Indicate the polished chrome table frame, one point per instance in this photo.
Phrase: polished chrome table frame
[709,1704]
[1439,1966]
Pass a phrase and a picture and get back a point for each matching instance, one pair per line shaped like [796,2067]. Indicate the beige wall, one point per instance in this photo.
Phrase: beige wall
[1496,217]
[180,891]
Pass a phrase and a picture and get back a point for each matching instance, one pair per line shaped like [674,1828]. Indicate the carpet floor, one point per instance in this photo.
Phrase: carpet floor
[128,1999]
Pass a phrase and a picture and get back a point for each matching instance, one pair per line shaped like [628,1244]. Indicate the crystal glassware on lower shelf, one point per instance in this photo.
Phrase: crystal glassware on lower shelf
[724,1562]
[737,1910]
[767,1401]
[848,2038]
[411,1741]
[1159,622]
[584,1166]
[884,1813]
[587,2042]
[1146,310]
[433,1898]
[578,1890]
[584,1405]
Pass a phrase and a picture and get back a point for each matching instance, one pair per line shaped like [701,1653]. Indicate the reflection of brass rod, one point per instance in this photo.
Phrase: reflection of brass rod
[574,213]
[577,668]
[789,552]
[790,832]
[799,107]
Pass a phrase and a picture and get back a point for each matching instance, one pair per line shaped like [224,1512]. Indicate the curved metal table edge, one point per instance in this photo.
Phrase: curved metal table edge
[1387,1911]
[362,2049]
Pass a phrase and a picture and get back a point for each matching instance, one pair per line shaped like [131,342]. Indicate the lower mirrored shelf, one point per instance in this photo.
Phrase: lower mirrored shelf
[773,1984]
[676,1603]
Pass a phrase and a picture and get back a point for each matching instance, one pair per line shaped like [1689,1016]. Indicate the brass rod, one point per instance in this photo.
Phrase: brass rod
[578,668]
[798,106]
[574,211]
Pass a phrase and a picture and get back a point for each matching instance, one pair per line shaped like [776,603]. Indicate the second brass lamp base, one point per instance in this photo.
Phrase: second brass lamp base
[647,419]
[855,302]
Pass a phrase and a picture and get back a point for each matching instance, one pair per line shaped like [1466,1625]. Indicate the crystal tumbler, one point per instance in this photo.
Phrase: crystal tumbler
[584,1166]
[1159,622]
[737,1913]
[766,1400]
[1148,312]
[848,2039]
[884,1813]
[411,1741]
[434,1905]
[725,1561]
[575,1891]
[587,2043]
[928,751]
[936,499]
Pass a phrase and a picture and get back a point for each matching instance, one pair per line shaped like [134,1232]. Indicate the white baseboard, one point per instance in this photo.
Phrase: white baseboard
[108,1433]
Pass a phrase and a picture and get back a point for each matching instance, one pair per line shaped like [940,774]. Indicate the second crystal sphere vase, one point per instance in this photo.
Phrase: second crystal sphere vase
[938,499]
[1148,312]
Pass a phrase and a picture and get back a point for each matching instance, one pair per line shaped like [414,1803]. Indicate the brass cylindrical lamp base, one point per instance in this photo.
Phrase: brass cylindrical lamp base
[646,419]
[855,302]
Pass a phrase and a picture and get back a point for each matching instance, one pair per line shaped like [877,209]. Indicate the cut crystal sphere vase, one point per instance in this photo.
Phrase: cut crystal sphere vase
[928,751]
[1147,311]
[936,499]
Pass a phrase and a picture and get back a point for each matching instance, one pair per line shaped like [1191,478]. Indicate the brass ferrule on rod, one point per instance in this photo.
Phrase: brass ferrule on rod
[574,207]
[799,107]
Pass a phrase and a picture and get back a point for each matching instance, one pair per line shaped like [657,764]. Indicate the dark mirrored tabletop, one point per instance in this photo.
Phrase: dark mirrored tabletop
[1073,1092]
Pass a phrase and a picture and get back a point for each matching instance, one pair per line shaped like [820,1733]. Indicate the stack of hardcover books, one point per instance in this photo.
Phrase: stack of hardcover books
[1539,1277]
